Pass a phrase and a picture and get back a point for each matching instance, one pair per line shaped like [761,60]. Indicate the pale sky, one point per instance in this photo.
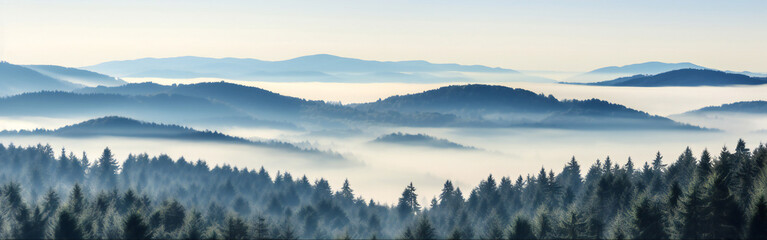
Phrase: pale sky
[524,35]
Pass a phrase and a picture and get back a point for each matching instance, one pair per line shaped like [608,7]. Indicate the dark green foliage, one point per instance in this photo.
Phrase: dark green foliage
[66,227]
[408,203]
[522,229]
[135,227]
[649,221]
[235,228]
[424,229]
[194,226]
[695,213]
[758,227]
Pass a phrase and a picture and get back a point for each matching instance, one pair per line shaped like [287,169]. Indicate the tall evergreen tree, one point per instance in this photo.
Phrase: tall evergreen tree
[648,221]
[105,169]
[408,203]
[135,227]
[522,229]
[235,229]
[424,230]
[66,227]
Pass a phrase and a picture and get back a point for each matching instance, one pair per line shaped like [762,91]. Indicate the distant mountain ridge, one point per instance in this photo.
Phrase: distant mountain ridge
[16,79]
[315,68]
[646,68]
[757,107]
[684,77]
[77,76]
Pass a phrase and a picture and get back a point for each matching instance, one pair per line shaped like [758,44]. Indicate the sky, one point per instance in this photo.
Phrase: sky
[523,35]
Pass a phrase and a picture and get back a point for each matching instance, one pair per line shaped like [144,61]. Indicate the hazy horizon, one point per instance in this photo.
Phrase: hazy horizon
[562,36]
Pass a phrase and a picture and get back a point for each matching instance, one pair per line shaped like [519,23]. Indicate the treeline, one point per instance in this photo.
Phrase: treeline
[709,196]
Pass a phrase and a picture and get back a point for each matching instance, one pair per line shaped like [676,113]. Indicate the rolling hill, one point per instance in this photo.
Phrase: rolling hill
[15,79]
[686,78]
[419,140]
[518,107]
[114,126]
[77,76]
[755,107]
[613,72]
[173,108]
[268,105]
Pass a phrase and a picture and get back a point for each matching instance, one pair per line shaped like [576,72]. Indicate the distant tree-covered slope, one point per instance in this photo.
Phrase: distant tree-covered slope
[759,107]
[15,79]
[160,107]
[265,104]
[469,98]
[613,72]
[519,107]
[116,126]
[77,76]
[684,77]
[419,140]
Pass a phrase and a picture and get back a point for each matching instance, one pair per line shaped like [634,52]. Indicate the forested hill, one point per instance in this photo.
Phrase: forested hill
[160,107]
[685,77]
[419,140]
[114,126]
[521,107]
[469,98]
[706,196]
[758,107]
[268,105]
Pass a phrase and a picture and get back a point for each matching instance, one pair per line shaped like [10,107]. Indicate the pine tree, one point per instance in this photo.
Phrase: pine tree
[424,230]
[106,169]
[287,231]
[135,227]
[407,235]
[705,165]
[51,203]
[261,230]
[77,200]
[193,226]
[346,191]
[173,215]
[235,228]
[726,216]
[66,227]
[408,203]
[572,225]
[648,221]
[695,213]
[494,229]
[447,194]
[522,229]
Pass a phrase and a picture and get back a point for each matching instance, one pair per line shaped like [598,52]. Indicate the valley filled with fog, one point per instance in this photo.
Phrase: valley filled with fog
[380,170]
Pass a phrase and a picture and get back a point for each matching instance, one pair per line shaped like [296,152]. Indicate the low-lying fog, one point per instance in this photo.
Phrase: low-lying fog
[381,171]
